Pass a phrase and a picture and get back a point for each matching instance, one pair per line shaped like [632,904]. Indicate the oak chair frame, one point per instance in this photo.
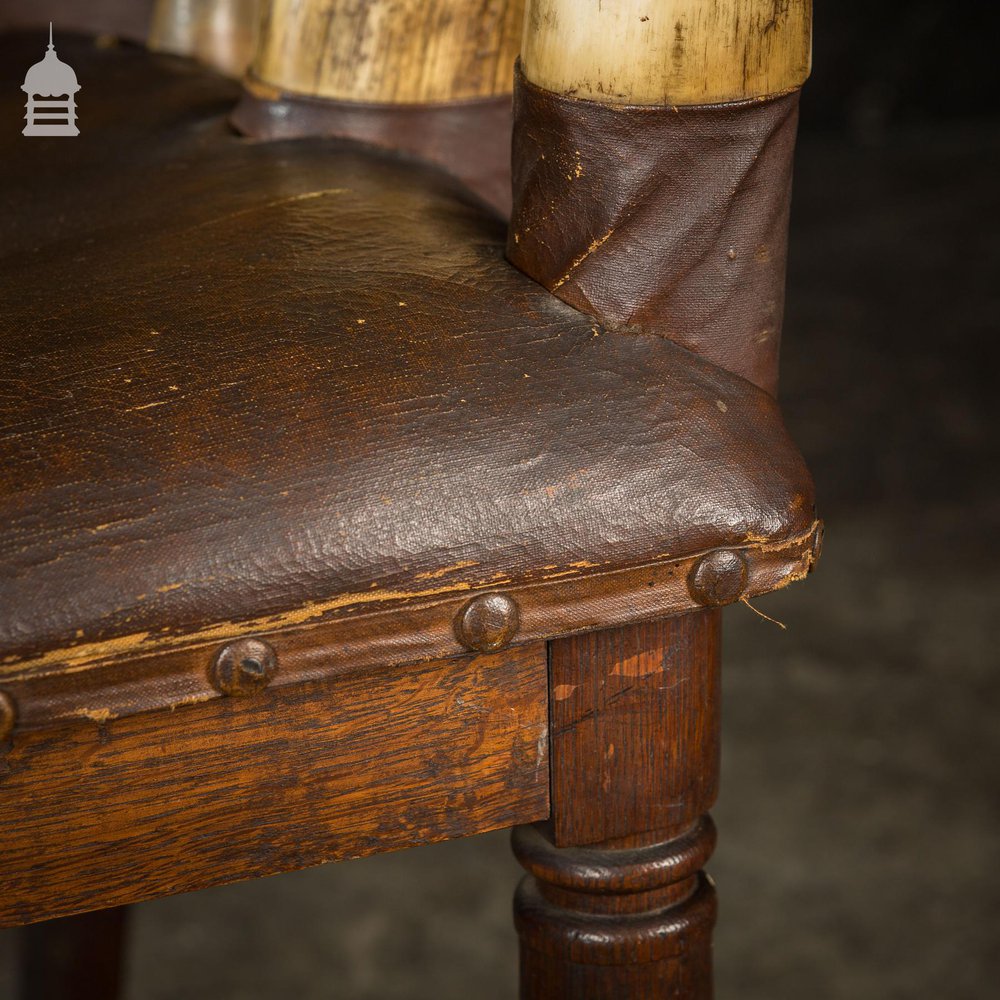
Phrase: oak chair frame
[612,767]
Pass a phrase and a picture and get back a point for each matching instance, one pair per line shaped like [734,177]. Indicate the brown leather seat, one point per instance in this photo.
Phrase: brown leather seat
[254,387]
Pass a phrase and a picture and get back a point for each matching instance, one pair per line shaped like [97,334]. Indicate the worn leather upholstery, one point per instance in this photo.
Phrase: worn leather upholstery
[293,389]
[661,220]
[470,138]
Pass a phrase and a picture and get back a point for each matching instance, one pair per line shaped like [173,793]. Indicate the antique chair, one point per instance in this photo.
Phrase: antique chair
[339,515]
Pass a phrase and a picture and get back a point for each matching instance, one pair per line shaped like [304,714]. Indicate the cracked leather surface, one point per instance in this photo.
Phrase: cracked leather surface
[244,378]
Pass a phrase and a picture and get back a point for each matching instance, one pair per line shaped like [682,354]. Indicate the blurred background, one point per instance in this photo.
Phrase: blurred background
[860,811]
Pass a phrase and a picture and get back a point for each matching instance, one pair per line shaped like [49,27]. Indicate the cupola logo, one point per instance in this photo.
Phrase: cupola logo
[51,87]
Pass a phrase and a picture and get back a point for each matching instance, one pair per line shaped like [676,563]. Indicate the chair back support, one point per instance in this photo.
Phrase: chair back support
[430,78]
[652,160]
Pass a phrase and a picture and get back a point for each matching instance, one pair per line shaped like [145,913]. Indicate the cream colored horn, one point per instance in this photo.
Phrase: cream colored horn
[667,52]
[389,51]
[220,33]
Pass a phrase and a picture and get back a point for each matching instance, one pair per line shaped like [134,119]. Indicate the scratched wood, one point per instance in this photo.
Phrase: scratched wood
[668,52]
[635,729]
[372,760]
[615,903]
[394,51]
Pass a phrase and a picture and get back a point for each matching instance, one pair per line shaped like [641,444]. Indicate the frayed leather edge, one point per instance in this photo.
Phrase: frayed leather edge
[103,681]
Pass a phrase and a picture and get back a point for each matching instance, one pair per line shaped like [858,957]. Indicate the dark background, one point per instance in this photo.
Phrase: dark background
[859,827]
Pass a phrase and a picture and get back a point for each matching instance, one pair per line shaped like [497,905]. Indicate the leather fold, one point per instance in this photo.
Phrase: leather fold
[662,220]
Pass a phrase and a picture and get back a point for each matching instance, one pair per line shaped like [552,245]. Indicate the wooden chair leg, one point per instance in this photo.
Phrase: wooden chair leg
[615,905]
[75,958]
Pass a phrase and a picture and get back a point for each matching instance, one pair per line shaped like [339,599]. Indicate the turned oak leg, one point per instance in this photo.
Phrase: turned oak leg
[75,958]
[615,905]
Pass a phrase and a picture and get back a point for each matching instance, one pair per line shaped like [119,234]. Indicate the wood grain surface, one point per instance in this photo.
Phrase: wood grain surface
[635,727]
[374,760]
[615,904]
